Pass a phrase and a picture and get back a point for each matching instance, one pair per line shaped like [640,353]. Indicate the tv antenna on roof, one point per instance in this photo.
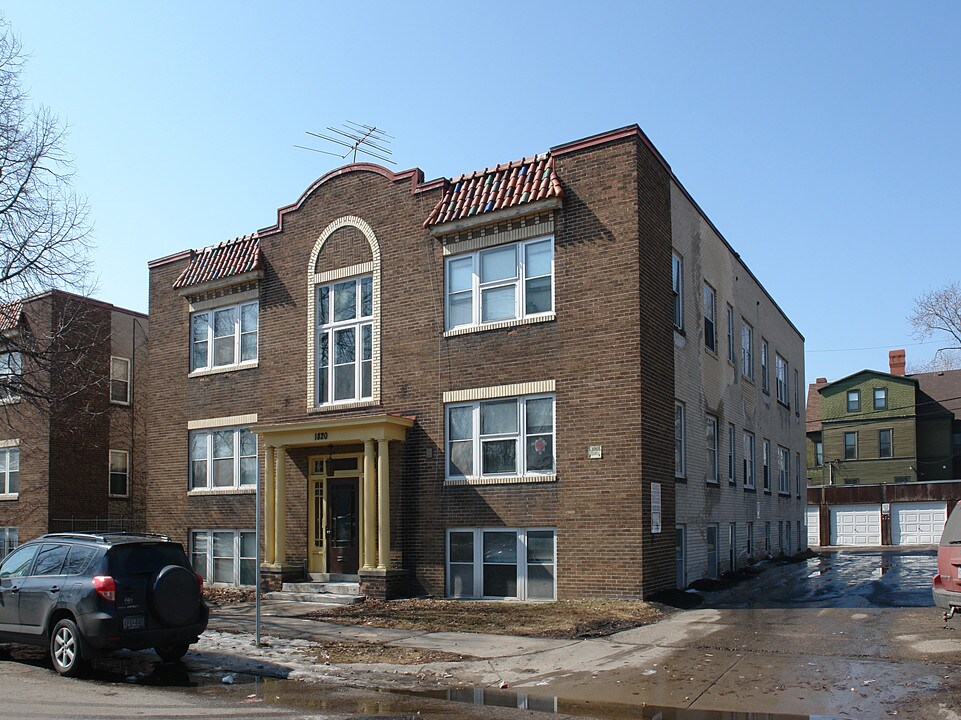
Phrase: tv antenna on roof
[365,139]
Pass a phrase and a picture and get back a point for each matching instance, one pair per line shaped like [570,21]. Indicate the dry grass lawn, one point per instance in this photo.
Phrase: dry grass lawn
[562,619]
[358,652]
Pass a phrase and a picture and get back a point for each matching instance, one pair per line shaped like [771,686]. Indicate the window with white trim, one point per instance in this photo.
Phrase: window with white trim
[765,367]
[120,380]
[780,373]
[119,473]
[797,474]
[223,458]
[731,455]
[10,471]
[710,323]
[677,286]
[732,358]
[783,470]
[344,334]
[710,427]
[225,557]
[679,455]
[499,563]
[505,437]
[797,394]
[224,337]
[9,540]
[747,350]
[11,376]
[766,464]
[506,282]
[749,457]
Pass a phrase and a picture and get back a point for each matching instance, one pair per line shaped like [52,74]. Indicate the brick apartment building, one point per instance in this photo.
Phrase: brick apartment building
[71,430]
[468,387]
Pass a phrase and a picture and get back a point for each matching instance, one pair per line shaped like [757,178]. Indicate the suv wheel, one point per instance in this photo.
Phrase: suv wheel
[65,652]
[172,652]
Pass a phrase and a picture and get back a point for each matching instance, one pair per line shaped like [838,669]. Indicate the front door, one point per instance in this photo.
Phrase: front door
[315,541]
[342,536]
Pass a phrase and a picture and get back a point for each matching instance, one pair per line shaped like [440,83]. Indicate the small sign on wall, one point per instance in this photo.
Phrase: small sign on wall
[655,508]
[594,452]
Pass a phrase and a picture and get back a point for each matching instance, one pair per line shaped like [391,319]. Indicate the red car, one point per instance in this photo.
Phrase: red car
[946,587]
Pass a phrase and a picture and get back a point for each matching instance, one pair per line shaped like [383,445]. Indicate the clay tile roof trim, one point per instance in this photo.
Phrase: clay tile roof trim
[10,314]
[497,188]
[217,262]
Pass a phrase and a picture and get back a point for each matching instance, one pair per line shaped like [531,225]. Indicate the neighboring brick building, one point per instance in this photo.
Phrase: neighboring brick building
[71,424]
[464,387]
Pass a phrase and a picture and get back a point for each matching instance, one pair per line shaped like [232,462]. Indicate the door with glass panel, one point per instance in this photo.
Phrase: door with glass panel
[343,548]
[315,534]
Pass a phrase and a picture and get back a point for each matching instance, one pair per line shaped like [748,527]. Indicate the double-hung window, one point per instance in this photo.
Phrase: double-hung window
[501,563]
[224,337]
[765,367]
[766,464]
[120,380]
[710,312]
[223,458]
[501,438]
[499,284]
[780,372]
[344,335]
[749,456]
[9,540]
[119,473]
[11,376]
[731,455]
[226,557]
[880,398]
[854,401]
[711,440]
[850,446]
[783,470]
[10,471]
[819,453]
[677,285]
[747,350]
[679,432]
[797,474]
[885,443]
[730,335]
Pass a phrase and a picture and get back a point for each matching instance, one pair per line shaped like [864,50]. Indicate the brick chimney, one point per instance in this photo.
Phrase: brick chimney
[896,362]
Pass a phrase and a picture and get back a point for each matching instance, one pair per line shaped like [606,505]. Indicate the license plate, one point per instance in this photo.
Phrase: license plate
[133,622]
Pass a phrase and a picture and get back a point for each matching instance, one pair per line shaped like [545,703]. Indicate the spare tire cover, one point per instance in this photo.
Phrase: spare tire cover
[175,596]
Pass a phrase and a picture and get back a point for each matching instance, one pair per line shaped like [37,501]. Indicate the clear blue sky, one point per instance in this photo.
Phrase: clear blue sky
[820,137]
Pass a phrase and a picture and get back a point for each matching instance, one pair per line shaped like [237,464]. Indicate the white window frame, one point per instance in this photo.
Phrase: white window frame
[11,366]
[780,372]
[520,439]
[7,454]
[209,460]
[238,333]
[766,463]
[747,349]
[326,330]
[208,572]
[797,393]
[765,366]
[797,474]
[731,453]
[478,562]
[677,289]
[126,473]
[519,282]
[680,433]
[711,430]
[783,470]
[749,448]
[710,318]
[125,380]
[731,357]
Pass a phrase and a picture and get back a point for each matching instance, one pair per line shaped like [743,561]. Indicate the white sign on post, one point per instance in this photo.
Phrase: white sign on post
[655,508]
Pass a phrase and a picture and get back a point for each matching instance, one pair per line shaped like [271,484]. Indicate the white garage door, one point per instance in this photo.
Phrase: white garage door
[917,523]
[856,525]
[814,526]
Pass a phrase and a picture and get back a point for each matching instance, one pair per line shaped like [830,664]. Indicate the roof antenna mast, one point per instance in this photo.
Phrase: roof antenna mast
[365,139]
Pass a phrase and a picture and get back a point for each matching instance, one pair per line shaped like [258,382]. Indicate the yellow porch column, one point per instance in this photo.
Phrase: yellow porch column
[383,505]
[280,507]
[269,503]
[369,517]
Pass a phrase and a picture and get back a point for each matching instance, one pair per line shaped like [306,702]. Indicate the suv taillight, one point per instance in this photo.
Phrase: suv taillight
[201,581]
[105,587]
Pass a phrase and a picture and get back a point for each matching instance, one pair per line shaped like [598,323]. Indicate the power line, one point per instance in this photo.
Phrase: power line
[875,347]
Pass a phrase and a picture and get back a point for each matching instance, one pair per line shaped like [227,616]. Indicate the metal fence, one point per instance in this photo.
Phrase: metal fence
[121,523]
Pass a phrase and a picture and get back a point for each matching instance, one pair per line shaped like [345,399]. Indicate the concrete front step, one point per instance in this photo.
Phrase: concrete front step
[335,588]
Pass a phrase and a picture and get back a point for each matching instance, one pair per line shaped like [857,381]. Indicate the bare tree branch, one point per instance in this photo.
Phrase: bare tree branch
[937,314]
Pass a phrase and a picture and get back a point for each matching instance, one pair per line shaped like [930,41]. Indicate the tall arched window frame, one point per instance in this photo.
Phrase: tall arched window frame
[343,327]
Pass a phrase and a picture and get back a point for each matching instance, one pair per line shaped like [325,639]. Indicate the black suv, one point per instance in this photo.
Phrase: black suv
[83,594]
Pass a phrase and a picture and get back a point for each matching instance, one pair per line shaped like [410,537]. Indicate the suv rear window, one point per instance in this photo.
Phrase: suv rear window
[144,559]
[78,559]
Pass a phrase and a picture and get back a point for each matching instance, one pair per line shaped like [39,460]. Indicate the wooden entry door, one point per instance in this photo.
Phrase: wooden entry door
[315,541]
[343,549]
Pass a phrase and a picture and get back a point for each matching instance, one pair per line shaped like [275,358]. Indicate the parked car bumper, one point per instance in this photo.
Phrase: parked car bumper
[944,598]
[102,631]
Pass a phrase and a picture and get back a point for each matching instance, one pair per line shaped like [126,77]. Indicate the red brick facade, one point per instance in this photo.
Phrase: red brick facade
[609,350]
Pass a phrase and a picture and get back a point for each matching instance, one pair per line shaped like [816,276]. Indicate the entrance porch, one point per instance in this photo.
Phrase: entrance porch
[348,496]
